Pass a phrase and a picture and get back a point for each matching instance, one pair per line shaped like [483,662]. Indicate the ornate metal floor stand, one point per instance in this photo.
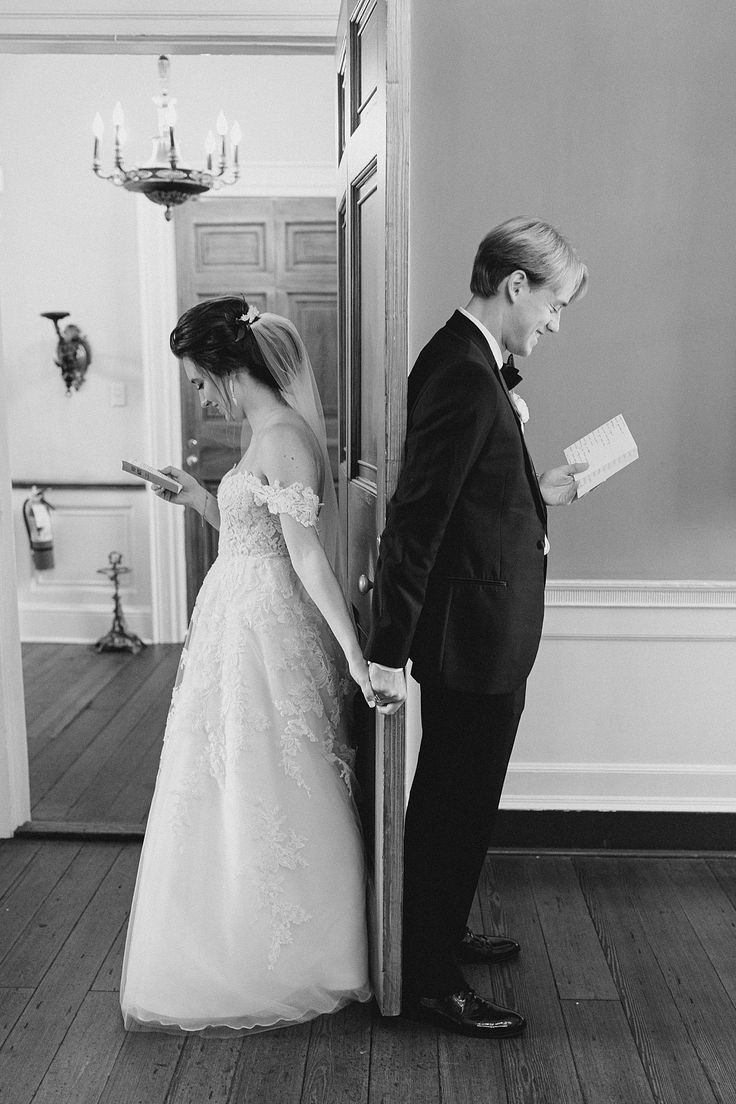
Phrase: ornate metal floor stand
[118,639]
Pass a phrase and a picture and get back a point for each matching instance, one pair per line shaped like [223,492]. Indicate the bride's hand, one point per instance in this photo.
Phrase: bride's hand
[359,672]
[191,492]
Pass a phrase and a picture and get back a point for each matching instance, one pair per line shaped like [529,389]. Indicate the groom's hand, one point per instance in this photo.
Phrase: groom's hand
[558,485]
[389,687]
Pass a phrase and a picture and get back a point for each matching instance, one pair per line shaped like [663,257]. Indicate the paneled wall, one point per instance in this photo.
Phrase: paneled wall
[73,601]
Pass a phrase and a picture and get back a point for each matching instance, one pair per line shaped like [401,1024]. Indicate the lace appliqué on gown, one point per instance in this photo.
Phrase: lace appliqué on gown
[279,850]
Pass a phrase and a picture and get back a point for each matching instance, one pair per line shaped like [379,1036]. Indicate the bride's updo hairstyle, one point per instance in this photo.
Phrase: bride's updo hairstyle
[217,336]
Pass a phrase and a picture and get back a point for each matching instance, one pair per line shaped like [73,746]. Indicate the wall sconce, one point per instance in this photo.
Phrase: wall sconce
[73,353]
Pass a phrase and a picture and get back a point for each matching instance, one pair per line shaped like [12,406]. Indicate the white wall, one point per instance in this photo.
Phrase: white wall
[69,242]
[610,120]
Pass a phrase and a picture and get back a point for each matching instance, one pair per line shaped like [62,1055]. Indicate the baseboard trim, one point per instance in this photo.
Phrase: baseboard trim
[630,830]
[516,830]
[120,832]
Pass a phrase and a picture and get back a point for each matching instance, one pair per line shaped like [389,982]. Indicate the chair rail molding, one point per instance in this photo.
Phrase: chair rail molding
[640,609]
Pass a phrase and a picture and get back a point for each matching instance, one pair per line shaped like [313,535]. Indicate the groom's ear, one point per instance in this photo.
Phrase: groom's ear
[514,284]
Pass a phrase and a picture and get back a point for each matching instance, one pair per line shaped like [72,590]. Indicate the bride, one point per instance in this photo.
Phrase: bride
[249,907]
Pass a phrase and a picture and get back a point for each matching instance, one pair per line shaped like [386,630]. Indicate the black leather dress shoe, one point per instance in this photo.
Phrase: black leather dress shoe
[486,949]
[467,1014]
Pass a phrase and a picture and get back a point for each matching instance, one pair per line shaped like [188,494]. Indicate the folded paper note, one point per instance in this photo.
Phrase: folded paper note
[606,450]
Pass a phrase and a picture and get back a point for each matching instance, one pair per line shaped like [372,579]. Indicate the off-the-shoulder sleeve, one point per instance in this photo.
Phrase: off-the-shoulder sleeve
[296,500]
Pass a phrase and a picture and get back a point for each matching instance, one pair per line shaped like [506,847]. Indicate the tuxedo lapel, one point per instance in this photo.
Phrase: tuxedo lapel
[461,325]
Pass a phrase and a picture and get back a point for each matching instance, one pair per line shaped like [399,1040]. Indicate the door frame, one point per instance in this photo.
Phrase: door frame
[391,731]
[150,32]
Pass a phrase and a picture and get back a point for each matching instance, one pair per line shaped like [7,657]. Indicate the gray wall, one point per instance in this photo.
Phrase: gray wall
[614,119]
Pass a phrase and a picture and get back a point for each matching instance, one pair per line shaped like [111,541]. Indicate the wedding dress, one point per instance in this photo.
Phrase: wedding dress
[249,907]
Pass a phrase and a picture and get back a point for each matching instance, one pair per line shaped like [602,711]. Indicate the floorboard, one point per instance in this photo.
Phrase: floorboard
[106,750]
[338,1060]
[271,1067]
[708,1014]
[144,1068]
[74,690]
[606,1058]
[32,1045]
[32,889]
[404,1063]
[205,1072]
[538,1065]
[578,963]
[50,761]
[83,1063]
[671,1063]
[664,1034]
[711,913]
[48,929]
[13,861]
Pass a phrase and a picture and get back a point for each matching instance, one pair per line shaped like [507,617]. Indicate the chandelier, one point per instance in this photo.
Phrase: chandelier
[164,179]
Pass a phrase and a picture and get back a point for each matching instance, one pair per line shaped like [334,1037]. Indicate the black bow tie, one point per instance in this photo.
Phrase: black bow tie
[510,376]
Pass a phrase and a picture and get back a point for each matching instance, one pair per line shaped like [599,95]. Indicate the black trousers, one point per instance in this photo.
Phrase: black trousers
[466,745]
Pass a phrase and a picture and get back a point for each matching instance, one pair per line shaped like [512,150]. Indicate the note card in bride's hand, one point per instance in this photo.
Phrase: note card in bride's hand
[606,450]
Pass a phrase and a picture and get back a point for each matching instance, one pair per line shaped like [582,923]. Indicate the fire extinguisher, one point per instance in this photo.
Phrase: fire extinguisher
[37,516]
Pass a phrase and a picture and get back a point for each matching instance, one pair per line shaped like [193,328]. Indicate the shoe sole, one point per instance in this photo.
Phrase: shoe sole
[438,1020]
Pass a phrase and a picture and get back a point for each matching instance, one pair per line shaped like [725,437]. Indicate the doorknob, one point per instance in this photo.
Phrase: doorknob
[192,442]
[364,584]
[191,461]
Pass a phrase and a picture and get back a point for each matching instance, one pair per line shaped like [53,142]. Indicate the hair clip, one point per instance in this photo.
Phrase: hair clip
[252,316]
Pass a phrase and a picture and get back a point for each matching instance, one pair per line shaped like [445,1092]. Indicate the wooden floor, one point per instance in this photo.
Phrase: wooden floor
[627,977]
[95,726]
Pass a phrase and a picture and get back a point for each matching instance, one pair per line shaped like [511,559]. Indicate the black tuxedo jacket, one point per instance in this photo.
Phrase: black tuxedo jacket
[459,582]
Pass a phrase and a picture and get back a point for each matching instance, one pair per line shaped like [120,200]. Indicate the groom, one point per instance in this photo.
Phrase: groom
[459,588]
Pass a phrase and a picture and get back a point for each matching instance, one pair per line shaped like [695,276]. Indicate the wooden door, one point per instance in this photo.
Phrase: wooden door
[281,254]
[372,391]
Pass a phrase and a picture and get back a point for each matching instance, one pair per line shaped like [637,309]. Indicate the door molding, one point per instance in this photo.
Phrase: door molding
[157,282]
[15,799]
[373,137]
[391,730]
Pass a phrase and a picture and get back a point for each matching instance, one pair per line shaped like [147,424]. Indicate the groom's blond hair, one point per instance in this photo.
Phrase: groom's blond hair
[533,246]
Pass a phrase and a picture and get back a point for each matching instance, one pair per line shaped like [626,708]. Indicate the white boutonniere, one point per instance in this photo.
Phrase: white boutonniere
[521,408]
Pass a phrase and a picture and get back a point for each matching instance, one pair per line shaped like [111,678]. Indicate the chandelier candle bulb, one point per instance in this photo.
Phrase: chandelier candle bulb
[98,129]
[222,131]
[171,120]
[236,136]
[209,149]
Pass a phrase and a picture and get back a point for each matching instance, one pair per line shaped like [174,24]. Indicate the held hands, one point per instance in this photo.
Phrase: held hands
[389,688]
[359,673]
[558,485]
[191,493]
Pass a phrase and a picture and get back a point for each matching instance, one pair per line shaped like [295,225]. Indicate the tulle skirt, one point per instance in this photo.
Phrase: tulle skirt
[249,906]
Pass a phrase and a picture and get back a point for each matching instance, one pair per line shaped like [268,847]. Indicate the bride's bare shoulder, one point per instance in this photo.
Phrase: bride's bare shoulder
[287,450]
